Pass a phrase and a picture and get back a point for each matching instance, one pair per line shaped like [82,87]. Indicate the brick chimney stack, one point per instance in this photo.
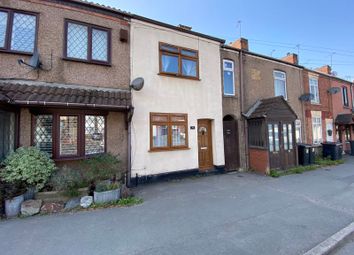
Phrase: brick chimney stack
[291,58]
[241,44]
[324,69]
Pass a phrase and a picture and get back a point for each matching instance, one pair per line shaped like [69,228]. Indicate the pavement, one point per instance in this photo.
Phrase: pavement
[346,248]
[237,213]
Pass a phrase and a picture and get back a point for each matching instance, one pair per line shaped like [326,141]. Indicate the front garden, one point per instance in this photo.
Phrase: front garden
[31,183]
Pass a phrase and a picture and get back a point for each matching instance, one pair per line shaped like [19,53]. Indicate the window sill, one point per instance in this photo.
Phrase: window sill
[313,103]
[230,96]
[88,62]
[16,52]
[169,149]
[73,158]
[180,76]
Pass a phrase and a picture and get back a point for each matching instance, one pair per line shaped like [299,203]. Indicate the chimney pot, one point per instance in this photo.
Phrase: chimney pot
[291,58]
[324,69]
[241,44]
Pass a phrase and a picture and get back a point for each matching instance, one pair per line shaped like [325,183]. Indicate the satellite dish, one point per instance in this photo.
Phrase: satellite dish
[306,97]
[333,90]
[34,61]
[137,84]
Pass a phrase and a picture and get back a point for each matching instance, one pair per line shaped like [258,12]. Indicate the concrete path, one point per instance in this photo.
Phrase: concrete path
[226,214]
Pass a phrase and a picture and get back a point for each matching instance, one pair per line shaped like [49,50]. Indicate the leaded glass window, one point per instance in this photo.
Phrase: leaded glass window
[99,45]
[7,133]
[77,41]
[43,133]
[3,26]
[94,134]
[68,140]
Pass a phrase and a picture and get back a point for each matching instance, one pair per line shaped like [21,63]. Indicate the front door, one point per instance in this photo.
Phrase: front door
[287,147]
[231,147]
[205,149]
[274,146]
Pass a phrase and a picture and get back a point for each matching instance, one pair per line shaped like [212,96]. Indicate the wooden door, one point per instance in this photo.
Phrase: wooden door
[287,146]
[205,149]
[231,145]
[274,146]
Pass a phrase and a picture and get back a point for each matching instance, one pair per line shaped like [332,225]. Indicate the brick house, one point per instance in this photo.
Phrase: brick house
[260,79]
[76,103]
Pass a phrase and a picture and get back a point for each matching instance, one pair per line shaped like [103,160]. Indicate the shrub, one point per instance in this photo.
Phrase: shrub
[28,165]
[102,167]
[102,187]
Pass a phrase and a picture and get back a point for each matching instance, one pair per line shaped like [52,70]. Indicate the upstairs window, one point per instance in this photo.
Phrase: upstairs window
[345,96]
[229,78]
[18,31]
[280,84]
[314,90]
[178,61]
[87,43]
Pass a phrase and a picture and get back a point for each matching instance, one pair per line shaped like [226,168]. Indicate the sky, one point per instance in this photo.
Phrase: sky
[320,31]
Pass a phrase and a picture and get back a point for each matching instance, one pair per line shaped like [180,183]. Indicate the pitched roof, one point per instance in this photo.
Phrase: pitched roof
[265,107]
[345,119]
[61,95]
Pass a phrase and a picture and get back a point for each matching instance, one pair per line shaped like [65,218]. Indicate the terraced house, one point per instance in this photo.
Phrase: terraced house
[65,74]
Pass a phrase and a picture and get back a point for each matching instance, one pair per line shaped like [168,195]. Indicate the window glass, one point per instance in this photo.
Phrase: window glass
[7,127]
[99,45]
[178,135]
[298,131]
[290,130]
[43,138]
[77,41]
[169,48]
[189,53]
[314,90]
[159,136]
[189,67]
[94,134]
[347,134]
[276,138]
[3,26]
[169,64]
[280,84]
[317,130]
[270,137]
[229,79]
[345,96]
[23,32]
[68,139]
[285,137]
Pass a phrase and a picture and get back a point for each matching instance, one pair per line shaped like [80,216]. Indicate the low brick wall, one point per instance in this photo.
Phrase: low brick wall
[259,160]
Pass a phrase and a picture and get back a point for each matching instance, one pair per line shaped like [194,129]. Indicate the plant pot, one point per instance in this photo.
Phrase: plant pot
[13,206]
[29,195]
[106,196]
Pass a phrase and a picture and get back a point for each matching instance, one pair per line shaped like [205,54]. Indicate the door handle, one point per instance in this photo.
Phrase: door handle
[203,148]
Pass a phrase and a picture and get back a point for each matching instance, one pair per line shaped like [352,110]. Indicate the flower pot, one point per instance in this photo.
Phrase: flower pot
[106,196]
[13,206]
[29,195]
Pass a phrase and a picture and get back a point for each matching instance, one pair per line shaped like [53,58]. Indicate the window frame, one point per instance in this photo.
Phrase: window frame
[169,123]
[345,97]
[81,114]
[89,59]
[233,76]
[285,80]
[9,27]
[315,100]
[180,57]
[313,124]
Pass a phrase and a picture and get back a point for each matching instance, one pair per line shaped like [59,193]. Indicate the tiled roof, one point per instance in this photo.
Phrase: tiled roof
[63,96]
[345,119]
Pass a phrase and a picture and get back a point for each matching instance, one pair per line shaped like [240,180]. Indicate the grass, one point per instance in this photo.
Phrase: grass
[319,163]
[123,202]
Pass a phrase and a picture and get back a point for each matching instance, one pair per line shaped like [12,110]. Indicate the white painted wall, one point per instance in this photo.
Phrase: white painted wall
[199,99]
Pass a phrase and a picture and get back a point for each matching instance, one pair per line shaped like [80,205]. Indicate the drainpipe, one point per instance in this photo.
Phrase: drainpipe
[242,106]
[129,170]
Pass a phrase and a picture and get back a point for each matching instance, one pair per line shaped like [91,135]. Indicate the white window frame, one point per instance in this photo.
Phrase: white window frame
[345,97]
[232,69]
[316,121]
[281,79]
[298,129]
[316,95]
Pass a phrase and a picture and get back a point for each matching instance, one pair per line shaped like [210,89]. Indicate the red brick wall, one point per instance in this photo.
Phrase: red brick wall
[259,160]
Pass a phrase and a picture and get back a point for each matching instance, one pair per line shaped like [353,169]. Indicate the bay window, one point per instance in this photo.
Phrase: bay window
[88,43]
[178,61]
[18,31]
[69,136]
[280,84]
[168,131]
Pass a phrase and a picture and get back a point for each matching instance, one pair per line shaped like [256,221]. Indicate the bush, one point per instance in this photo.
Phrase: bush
[102,187]
[102,167]
[29,166]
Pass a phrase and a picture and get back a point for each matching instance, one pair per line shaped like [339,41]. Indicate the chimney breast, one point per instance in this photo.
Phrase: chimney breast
[291,58]
[324,69]
[241,44]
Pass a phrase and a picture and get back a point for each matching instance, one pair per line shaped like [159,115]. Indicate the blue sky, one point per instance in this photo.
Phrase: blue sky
[273,27]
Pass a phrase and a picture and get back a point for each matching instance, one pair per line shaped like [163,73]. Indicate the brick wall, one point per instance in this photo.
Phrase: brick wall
[259,160]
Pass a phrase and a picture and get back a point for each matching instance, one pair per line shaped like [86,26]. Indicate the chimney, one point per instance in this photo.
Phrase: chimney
[291,58]
[241,44]
[184,27]
[324,69]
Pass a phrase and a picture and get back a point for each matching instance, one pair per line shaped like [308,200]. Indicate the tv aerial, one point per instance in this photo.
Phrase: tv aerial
[34,62]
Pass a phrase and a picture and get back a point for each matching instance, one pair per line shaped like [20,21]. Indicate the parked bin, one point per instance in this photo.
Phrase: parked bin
[352,148]
[312,154]
[333,150]
[304,154]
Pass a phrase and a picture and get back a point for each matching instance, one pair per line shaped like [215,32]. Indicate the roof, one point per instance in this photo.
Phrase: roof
[61,95]
[345,119]
[263,108]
